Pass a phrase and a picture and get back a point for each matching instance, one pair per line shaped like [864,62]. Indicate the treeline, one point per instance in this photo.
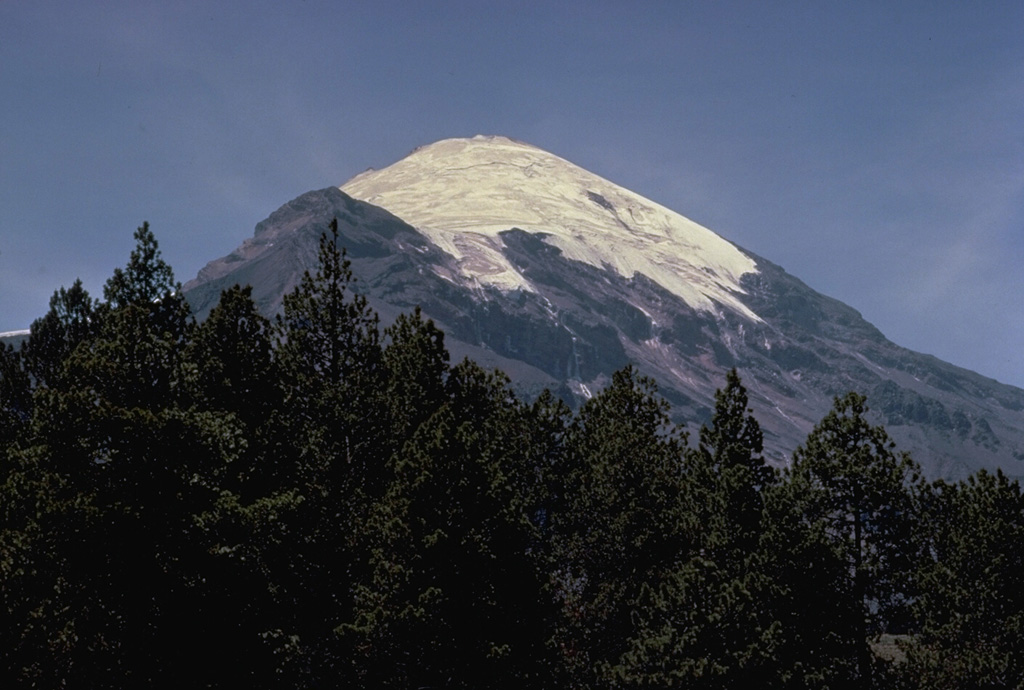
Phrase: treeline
[317,502]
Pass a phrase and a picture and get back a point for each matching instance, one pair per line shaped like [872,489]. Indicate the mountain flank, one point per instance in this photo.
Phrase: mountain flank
[560,277]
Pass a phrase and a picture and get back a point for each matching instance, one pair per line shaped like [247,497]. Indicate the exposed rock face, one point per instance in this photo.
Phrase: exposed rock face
[533,300]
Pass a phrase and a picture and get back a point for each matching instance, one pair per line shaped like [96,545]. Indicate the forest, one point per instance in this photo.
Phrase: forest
[317,501]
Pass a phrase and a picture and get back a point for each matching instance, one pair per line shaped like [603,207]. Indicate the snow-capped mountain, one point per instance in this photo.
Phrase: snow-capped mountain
[559,277]
[463,193]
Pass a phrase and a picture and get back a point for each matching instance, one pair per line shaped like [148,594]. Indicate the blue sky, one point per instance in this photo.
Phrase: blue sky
[873,149]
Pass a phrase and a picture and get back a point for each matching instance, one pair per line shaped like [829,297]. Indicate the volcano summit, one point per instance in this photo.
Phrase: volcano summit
[463,193]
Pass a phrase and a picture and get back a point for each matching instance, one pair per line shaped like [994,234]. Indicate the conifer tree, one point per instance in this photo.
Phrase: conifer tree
[36,517]
[15,397]
[233,353]
[147,280]
[542,475]
[327,442]
[416,367]
[623,526]
[819,625]
[26,500]
[704,625]
[729,458]
[235,383]
[862,493]
[330,355]
[234,395]
[112,428]
[126,374]
[971,601]
[70,320]
[454,599]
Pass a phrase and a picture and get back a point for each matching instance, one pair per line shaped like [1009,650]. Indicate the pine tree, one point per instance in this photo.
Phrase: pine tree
[27,572]
[235,382]
[329,444]
[15,397]
[542,475]
[416,368]
[330,355]
[70,320]
[862,492]
[971,602]
[241,527]
[112,427]
[623,526]
[147,280]
[704,624]
[39,618]
[819,624]
[124,375]
[454,598]
[233,353]
[729,463]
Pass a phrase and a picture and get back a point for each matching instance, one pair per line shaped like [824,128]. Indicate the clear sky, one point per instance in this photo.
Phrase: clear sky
[873,149]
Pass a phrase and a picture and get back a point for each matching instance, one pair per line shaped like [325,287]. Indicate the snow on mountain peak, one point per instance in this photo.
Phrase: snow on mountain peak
[462,193]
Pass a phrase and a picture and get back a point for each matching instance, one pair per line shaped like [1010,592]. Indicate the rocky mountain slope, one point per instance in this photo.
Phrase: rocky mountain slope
[559,277]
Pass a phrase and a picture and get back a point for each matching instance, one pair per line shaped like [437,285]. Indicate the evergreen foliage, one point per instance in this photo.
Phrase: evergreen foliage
[972,589]
[330,356]
[728,463]
[232,378]
[704,625]
[53,337]
[624,525]
[15,396]
[110,428]
[454,599]
[416,365]
[858,492]
[818,622]
[311,502]
[325,446]
[146,280]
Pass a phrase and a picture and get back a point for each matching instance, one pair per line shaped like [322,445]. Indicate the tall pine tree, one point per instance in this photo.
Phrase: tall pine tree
[15,397]
[863,494]
[111,426]
[70,320]
[623,524]
[971,601]
[704,625]
[327,445]
[454,598]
